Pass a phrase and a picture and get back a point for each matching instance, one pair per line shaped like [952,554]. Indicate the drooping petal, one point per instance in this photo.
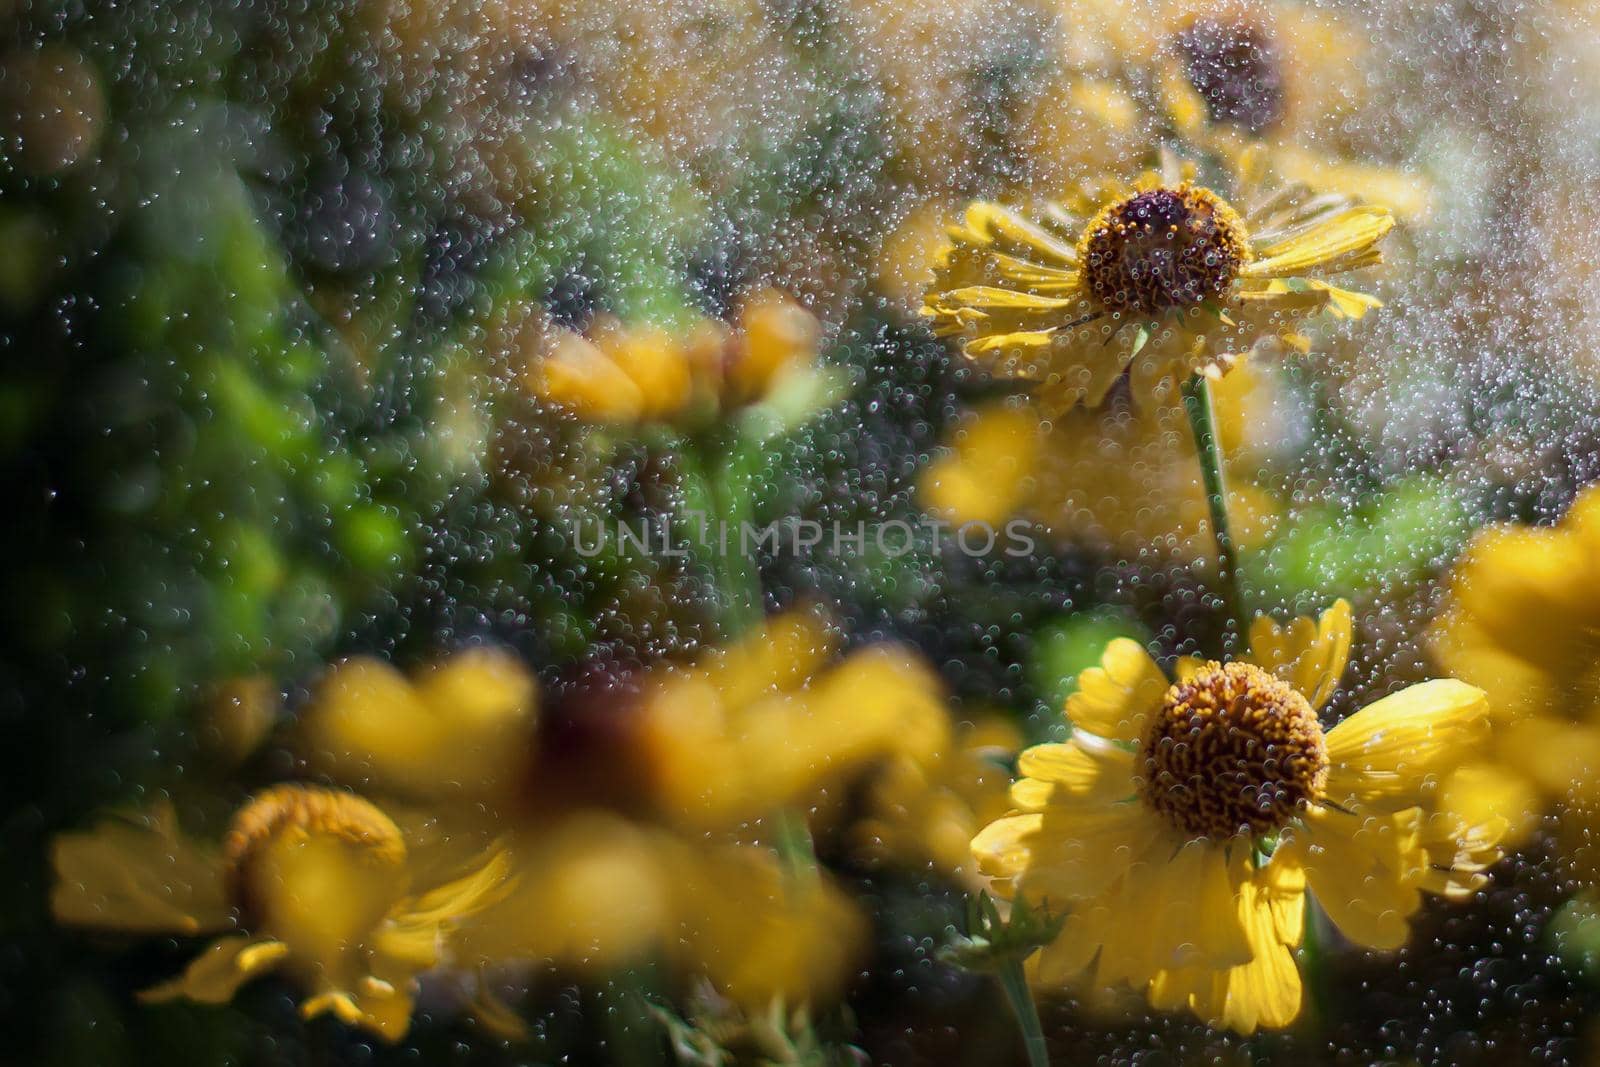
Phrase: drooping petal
[1176,909]
[139,873]
[411,935]
[1266,990]
[1114,699]
[1363,869]
[1388,753]
[214,976]
[1316,243]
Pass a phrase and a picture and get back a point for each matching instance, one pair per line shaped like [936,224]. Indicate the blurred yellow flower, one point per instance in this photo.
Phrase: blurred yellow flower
[1523,623]
[768,723]
[619,374]
[1120,478]
[462,727]
[596,894]
[759,932]
[1151,821]
[923,813]
[1160,279]
[593,893]
[312,882]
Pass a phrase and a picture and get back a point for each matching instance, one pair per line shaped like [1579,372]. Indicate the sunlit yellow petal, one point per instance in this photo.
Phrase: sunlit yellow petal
[217,973]
[1351,230]
[1309,656]
[1390,751]
[1114,699]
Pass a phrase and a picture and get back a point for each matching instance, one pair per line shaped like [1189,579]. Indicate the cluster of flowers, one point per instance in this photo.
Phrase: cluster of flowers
[439,823]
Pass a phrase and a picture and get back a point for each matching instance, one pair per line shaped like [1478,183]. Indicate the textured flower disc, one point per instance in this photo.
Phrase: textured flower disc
[1233,750]
[1163,250]
[1236,69]
[283,810]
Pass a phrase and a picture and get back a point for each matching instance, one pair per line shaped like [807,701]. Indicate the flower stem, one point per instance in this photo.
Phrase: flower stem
[1015,983]
[1203,422]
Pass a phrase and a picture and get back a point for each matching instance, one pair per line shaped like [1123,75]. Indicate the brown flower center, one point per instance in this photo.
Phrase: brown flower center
[284,815]
[1236,69]
[1233,750]
[1163,250]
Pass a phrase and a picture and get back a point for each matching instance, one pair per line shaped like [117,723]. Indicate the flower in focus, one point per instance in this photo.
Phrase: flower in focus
[768,723]
[1152,822]
[1523,623]
[311,882]
[923,814]
[461,727]
[1160,280]
[618,374]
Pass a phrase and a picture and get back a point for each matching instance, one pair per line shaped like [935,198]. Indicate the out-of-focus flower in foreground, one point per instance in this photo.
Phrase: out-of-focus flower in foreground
[922,813]
[1154,823]
[1523,623]
[621,374]
[770,723]
[461,727]
[1160,279]
[311,882]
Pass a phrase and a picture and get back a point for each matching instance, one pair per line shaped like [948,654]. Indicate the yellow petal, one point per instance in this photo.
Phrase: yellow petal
[576,375]
[1363,871]
[1480,792]
[987,223]
[1065,854]
[411,935]
[139,873]
[1309,656]
[1348,231]
[1081,771]
[1387,754]
[1114,699]
[217,973]
[1266,990]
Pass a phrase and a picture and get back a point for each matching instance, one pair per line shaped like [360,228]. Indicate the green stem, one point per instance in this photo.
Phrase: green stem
[714,488]
[1203,422]
[1015,983]
[741,589]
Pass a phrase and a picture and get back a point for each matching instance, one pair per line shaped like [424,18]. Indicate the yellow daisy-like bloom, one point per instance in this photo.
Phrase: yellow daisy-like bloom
[771,722]
[311,882]
[620,374]
[1523,622]
[1162,279]
[1149,824]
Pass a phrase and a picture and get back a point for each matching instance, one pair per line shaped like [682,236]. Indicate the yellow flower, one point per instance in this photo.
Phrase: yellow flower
[1523,623]
[1148,823]
[1161,279]
[462,727]
[1119,478]
[1285,72]
[770,722]
[760,933]
[923,813]
[619,374]
[311,882]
